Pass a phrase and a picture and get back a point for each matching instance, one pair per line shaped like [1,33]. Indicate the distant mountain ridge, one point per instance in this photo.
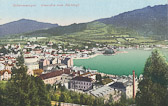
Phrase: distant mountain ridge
[148,21]
[61,30]
[22,26]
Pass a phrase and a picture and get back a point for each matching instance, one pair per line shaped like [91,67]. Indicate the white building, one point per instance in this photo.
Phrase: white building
[5,75]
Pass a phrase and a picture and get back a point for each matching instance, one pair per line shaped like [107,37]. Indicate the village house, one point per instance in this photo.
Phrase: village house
[81,83]
[36,51]
[31,59]
[32,66]
[43,62]
[126,87]
[52,77]
[68,62]
[28,54]
[5,75]
[9,66]
[58,76]
[50,67]
[53,60]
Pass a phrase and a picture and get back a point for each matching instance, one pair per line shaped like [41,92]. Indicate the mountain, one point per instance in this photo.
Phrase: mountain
[148,21]
[61,30]
[23,26]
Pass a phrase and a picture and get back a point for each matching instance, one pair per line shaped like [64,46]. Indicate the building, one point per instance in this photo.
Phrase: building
[5,75]
[89,75]
[81,83]
[32,66]
[105,92]
[43,62]
[30,59]
[50,67]
[67,61]
[52,77]
[54,61]
[128,86]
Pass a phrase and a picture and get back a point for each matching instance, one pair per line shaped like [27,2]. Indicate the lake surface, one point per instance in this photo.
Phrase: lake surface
[120,64]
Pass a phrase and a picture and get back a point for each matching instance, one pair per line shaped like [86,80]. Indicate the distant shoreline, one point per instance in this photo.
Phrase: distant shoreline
[98,54]
[92,56]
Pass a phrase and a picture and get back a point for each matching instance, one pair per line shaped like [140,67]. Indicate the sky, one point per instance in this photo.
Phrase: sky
[65,12]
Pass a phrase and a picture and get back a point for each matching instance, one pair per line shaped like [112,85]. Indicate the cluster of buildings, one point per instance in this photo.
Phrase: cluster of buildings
[58,68]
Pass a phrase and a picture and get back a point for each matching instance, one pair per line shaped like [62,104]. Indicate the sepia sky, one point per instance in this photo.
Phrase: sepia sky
[65,12]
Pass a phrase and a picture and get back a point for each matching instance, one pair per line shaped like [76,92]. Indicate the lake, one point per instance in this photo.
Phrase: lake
[119,64]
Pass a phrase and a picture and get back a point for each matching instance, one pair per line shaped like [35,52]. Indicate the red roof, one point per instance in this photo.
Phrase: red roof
[3,71]
[47,52]
[27,53]
[63,54]
[51,74]
[30,57]
[67,71]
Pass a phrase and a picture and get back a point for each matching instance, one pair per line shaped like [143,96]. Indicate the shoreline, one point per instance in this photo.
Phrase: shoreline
[98,54]
[92,56]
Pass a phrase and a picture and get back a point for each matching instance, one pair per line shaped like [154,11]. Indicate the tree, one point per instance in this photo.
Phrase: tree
[62,97]
[84,68]
[98,102]
[4,50]
[25,90]
[2,97]
[20,61]
[98,77]
[153,87]
[110,101]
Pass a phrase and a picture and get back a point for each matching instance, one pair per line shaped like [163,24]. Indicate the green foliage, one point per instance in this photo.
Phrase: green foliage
[24,90]
[61,30]
[75,97]
[20,61]
[153,87]
[4,50]
[3,84]
[98,77]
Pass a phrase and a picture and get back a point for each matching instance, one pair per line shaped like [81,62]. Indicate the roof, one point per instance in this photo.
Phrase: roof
[67,71]
[118,85]
[3,71]
[51,74]
[79,78]
[65,60]
[32,57]
[103,91]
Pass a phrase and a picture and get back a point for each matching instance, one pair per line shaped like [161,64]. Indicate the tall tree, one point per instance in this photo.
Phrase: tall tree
[153,87]
[25,90]
[98,77]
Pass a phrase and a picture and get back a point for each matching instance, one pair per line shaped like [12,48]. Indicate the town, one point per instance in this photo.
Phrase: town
[55,67]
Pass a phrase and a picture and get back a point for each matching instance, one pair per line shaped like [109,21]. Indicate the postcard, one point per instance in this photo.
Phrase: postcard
[83,53]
